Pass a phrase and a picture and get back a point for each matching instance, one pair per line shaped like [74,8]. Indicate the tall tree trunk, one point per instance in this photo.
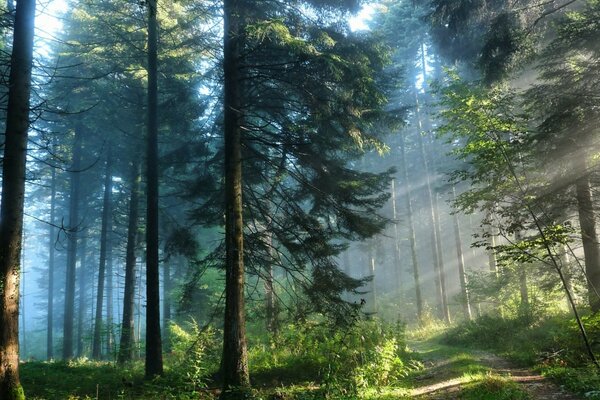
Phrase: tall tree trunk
[13,195]
[127,327]
[411,230]
[83,271]
[589,236]
[461,263]
[23,307]
[109,289]
[522,273]
[431,216]
[51,258]
[106,216]
[371,272]
[397,264]
[565,267]
[270,303]
[72,247]
[236,377]
[167,286]
[154,362]
[440,258]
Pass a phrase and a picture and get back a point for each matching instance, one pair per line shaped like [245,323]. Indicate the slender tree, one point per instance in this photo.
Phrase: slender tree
[51,260]
[75,186]
[127,326]
[13,195]
[235,355]
[154,362]
[106,215]
[462,276]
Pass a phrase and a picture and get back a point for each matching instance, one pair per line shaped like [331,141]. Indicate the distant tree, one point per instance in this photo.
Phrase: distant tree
[13,194]
[127,326]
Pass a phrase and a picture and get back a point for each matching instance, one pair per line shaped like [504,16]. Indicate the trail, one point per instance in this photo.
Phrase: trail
[450,371]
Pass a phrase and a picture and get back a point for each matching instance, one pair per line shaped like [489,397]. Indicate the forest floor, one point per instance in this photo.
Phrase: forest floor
[456,373]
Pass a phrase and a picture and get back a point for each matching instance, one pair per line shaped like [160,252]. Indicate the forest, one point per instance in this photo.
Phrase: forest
[299,199]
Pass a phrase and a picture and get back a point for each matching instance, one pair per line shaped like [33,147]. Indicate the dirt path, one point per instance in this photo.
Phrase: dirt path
[448,371]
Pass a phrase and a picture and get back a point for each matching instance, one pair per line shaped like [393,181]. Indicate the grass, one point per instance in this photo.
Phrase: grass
[550,345]
[492,387]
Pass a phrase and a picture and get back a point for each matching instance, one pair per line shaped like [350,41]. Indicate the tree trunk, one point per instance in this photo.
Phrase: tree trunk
[236,377]
[127,327]
[461,263]
[431,216]
[371,273]
[589,237]
[82,298]
[23,349]
[440,258]
[52,239]
[154,362]
[270,303]
[411,230]
[13,195]
[397,258]
[106,216]
[166,304]
[523,290]
[109,288]
[72,247]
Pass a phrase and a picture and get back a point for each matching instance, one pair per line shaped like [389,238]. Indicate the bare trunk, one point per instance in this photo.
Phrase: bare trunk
[440,257]
[72,247]
[461,264]
[83,271]
[397,264]
[154,362]
[589,237]
[166,304]
[372,292]
[127,327]
[13,195]
[106,216]
[236,377]
[523,290]
[109,290]
[439,292]
[52,239]
[411,231]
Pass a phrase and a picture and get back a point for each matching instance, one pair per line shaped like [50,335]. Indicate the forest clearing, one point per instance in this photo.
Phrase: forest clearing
[299,199]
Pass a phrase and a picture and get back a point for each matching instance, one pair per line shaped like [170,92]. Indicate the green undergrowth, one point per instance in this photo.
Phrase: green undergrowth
[550,345]
[305,362]
[458,373]
[492,387]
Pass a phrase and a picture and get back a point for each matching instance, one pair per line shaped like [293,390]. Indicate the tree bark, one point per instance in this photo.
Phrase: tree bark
[411,230]
[51,259]
[589,237]
[523,289]
[109,287]
[439,291]
[461,264]
[72,247]
[82,296]
[154,362]
[440,258]
[167,286]
[106,216]
[13,196]
[397,255]
[127,327]
[236,377]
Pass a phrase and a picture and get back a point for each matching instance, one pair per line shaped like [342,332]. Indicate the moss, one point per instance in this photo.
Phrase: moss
[17,393]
